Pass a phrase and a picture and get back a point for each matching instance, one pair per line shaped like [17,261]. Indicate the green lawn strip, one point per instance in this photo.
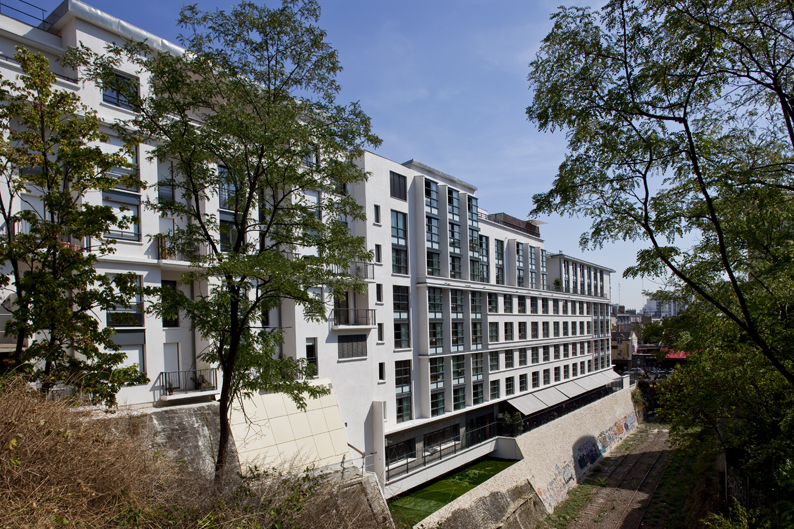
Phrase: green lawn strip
[415,506]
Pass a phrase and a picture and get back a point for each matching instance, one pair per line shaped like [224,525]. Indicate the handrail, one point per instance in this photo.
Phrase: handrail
[191,380]
[354,317]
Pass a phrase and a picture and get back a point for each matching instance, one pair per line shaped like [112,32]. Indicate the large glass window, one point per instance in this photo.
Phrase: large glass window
[493,332]
[508,302]
[458,340]
[522,383]
[493,361]
[433,235]
[454,238]
[436,336]
[436,373]
[402,383]
[458,370]
[522,357]
[456,303]
[431,197]
[510,386]
[118,97]
[453,203]
[477,396]
[476,304]
[433,264]
[509,331]
[399,228]
[476,335]
[494,389]
[437,404]
[493,302]
[459,398]
[476,366]
[399,186]
[455,267]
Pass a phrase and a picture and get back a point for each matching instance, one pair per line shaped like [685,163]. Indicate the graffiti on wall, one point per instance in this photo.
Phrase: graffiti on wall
[583,456]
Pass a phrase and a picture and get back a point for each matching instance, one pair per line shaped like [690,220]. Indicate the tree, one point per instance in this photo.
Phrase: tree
[679,122]
[50,161]
[247,116]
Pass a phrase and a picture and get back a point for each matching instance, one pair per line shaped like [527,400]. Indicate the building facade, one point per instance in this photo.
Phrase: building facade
[465,310]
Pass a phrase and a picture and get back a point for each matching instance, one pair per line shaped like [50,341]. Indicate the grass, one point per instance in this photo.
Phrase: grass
[411,508]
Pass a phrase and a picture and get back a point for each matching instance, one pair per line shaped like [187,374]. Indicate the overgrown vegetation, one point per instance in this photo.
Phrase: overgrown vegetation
[62,465]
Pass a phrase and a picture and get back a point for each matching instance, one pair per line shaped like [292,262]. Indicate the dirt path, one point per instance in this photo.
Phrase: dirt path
[626,482]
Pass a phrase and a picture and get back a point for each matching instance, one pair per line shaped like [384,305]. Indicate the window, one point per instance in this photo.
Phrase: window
[228,232]
[573,308]
[534,327]
[433,264]
[509,357]
[399,186]
[573,349]
[588,328]
[476,366]
[352,345]
[402,336]
[118,98]
[432,233]
[380,333]
[454,267]
[508,331]
[565,373]
[474,270]
[402,383]
[522,330]
[555,306]
[535,379]
[170,322]
[126,206]
[484,272]
[431,197]
[522,305]
[474,212]
[493,302]
[436,373]
[520,277]
[522,383]
[545,327]
[565,307]
[458,370]
[556,374]
[565,350]
[130,315]
[456,303]
[589,366]
[546,357]
[434,303]
[535,355]
[520,255]
[574,370]
[379,293]
[533,305]
[494,389]
[401,451]
[476,304]
[581,328]
[454,238]
[458,340]
[311,354]
[522,357]
[477,393]
[493,332]
[459,398]
[500,275]
[510,386]
[436,335]
[399,260]
[556,352]
[437,404]
[546,377]
[382,372]
[377,214]
[474,243]
[556,327]
[565,328]
[544,306]
[453,203]
[399,234]
[476,335]
[493,361]
[401,302]
[378,254]
[508,301]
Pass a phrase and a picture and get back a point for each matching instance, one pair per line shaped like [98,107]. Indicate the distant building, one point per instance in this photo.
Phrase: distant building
[624,347]
[661,309]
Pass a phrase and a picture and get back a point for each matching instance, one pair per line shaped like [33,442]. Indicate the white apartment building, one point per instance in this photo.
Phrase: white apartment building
[466,315]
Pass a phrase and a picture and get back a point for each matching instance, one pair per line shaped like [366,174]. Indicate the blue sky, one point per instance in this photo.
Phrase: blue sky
[444,83]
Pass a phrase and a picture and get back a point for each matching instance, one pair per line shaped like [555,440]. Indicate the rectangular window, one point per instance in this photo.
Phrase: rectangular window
[500,275]
[458,370]
[432,233]
[458,341]
[544,306]
[556,327]
[534,328]
[493,332]
[588,328]
[581,328]
[545,327]
[399,260]
[508,301]
[565,351]
[119,97]
[352,345]
[402,376]
[476,304]
[535,379]
[401,451]
[508,331]
[456,303]
[437,404]
[402,336]
[565,307]
[436,335]
[520,277]
[401,301]
[494,389]
[126,206]
[499,252]
[399,228]
[546,377]
[378,254]
[453,203]
[573,328]
[484,272]
[574,369]
[509,358]
[474,243]
[399,186]
[380,333]
[522,357]
[436,373]
[556,374]
[477,396]
[493,302]
[379,293]
[434,303]
[433,264]
[533,305]
[454,238]
[431,197]
[377,214]
[459,398]
[474,270]
[522,305]
[476,366]
[493,361]
[522,383]
[565,328]
[474,212]
[555,306]
[382,372]
[454,267]
[565,374]
[170,322]
[556,352]
[522,330]
[510,386]
[535,355]
[546,356]
[476,335]
[130,315]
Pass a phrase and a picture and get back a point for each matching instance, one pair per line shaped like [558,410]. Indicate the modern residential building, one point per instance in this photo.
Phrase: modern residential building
[466,316]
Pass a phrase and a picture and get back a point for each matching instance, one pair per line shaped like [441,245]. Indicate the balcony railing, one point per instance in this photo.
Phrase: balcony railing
[358,269]
[169,252]
[363,317]
[132,317]
[184,382]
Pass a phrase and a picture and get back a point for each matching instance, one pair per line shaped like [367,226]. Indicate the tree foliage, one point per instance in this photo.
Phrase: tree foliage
[248,118]
[50,161]
[680,128]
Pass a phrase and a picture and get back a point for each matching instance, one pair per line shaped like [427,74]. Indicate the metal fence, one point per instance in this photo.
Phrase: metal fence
[365,317]
[192,380]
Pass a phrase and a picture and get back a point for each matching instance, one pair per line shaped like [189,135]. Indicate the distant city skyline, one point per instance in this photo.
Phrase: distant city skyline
[445,84]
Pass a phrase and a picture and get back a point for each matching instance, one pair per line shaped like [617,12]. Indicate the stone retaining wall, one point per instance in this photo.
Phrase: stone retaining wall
[553,459]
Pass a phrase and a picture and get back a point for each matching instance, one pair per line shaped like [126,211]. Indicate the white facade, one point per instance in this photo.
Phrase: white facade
[413,356]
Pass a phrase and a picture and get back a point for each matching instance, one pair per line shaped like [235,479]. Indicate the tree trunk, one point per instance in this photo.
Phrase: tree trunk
[225,430]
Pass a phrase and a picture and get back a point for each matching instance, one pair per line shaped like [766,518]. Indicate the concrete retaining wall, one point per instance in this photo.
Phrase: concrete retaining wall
[553,459]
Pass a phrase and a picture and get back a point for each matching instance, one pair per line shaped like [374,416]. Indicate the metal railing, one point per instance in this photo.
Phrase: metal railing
[363,270]
[132,317]
[169,252]
[469,439]
[365,317]
[190,381]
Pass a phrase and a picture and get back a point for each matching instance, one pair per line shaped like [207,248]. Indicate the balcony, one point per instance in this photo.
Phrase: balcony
[353,317]
[174,385]
[168,252]
[358,269]
[132,317]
